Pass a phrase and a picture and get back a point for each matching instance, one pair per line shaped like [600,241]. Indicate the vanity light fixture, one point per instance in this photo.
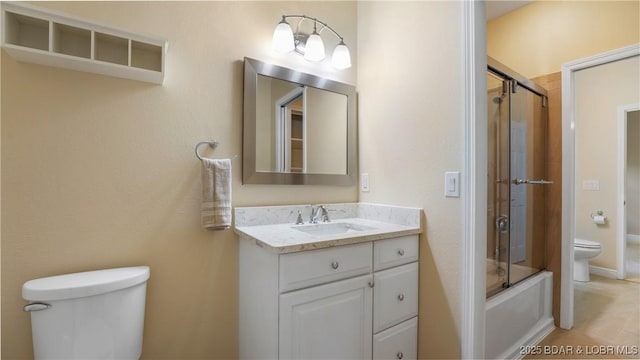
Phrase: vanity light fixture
[310,46]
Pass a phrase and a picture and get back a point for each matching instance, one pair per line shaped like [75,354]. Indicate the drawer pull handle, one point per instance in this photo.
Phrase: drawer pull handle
[401,296]
[372,284]
[401,252]
[399,355]
[335,265]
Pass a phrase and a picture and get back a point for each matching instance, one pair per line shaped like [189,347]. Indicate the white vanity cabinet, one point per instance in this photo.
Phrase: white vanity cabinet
[356,301]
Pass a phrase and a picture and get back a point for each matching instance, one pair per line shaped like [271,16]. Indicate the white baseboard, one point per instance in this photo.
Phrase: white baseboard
[633,239]
[608,273]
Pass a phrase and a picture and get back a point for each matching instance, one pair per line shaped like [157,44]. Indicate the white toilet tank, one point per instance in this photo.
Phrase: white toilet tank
[88,315]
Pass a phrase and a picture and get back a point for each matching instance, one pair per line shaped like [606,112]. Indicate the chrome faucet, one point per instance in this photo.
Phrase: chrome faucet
[319,211]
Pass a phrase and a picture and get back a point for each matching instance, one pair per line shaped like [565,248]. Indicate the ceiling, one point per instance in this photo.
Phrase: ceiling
[497,8]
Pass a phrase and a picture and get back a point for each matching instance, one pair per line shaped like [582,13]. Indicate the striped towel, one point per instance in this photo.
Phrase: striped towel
[216,194]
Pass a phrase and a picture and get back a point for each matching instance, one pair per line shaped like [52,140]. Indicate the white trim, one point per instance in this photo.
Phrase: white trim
[283,126]
[606,272]
[539,333]
[568,170]
[621,231]
[305,162]
[633,239]
[474,186]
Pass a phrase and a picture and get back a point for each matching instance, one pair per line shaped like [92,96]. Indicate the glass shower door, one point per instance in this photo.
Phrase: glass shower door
[528,123]
[516,238]
[498,188]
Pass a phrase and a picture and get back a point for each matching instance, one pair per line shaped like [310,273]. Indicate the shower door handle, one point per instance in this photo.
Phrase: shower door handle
[502,223]
[532,182]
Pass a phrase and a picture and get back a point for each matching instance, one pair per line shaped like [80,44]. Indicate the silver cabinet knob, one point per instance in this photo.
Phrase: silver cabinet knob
[399,355]
[401,252]
[335,265]
[401,296]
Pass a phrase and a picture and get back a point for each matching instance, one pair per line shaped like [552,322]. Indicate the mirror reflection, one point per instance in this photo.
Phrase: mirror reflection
[300,129]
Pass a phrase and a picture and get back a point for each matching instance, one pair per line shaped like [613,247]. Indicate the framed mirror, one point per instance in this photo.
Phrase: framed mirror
[298,128]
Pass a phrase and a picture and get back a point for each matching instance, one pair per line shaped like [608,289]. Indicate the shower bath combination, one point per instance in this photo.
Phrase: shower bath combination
[517,180]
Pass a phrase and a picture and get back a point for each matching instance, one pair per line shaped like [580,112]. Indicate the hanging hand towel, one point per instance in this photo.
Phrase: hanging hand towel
[216,194]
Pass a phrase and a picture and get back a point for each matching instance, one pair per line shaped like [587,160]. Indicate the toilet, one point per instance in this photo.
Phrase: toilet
[88,315]
[583,250]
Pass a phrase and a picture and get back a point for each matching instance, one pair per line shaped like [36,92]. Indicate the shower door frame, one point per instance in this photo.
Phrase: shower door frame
[511,81]
[498,205]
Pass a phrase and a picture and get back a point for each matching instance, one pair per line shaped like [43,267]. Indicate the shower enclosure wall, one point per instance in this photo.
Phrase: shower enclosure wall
[517,120]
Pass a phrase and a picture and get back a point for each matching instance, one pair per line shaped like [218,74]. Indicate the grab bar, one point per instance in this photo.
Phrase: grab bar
[532,182]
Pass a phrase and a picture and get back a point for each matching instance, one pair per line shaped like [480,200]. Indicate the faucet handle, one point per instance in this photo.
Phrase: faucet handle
[299,220]
[325,214]
[313,216]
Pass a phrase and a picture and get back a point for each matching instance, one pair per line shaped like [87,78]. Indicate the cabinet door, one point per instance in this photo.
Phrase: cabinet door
[331,321]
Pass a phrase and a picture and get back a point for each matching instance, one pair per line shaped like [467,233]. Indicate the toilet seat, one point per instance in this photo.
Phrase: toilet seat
[586,244]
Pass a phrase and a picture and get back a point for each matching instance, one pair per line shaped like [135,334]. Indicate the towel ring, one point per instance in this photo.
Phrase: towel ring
[213,144]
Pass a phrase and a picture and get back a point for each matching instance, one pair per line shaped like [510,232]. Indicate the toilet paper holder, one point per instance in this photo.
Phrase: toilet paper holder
[598,217]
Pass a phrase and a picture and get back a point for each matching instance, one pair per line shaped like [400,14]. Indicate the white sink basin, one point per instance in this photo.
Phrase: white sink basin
[331,228]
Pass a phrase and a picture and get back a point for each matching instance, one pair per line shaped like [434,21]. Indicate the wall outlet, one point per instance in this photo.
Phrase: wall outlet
[364,182]
[591,185]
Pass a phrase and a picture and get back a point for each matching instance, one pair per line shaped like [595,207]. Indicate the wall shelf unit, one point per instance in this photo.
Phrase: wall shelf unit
[47,37]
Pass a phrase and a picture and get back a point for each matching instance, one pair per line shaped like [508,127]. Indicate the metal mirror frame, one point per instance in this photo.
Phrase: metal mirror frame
[253,68]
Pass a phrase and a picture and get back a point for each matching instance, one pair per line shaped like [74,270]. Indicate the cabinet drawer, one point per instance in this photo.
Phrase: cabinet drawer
[393,252]
[398,342]
[308,268]
[395,296]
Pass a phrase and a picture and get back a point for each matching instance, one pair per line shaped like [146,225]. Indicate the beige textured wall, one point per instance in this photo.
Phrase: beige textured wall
[633,173]
[326,122]
[538,38]
[99,172]
[410,125]
[599,91]
[265,127]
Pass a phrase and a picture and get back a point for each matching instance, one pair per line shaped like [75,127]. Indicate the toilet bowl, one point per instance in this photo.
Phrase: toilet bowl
[88,315]
[583,250]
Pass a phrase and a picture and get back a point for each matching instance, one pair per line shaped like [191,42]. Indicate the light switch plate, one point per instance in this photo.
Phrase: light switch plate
[364,182]
[452,184]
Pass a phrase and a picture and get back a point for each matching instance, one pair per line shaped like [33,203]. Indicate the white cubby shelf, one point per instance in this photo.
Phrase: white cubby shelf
[46,37]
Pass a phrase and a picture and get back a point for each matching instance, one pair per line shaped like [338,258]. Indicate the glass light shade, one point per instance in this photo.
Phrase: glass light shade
[314,50]
[341,58]
[282,38]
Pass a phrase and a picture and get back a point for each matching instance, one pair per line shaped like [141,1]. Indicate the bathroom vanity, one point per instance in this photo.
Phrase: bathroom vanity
[342,289]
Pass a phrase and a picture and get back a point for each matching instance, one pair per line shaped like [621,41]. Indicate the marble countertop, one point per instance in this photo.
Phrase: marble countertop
[283,237]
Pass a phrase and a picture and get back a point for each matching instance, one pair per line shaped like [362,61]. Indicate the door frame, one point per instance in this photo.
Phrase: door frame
[283,126]
[474,181]
[568,169]
[621,241]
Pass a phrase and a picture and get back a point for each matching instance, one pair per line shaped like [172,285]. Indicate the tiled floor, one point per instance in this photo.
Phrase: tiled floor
[606,323]
[632,263]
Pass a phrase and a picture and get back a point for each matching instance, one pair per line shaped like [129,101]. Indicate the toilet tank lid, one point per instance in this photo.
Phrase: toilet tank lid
[83,284]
